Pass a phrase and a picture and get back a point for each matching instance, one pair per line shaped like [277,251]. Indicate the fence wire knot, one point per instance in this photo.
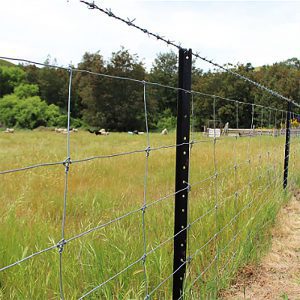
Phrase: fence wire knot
[60,245]
[143,209]
[67,162]
[144,258]
[147,150]
[188,187]
[192,142]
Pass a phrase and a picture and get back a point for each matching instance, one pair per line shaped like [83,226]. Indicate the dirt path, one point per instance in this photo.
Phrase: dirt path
[278,275]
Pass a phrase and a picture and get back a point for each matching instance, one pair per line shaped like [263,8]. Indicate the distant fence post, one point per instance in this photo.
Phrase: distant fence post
[182,170]
[287,145]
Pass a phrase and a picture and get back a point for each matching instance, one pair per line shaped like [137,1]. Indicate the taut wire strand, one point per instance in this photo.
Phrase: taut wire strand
[145,190]
[67,168]
[109,13]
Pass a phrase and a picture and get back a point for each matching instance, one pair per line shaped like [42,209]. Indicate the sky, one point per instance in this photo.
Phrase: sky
[260,32]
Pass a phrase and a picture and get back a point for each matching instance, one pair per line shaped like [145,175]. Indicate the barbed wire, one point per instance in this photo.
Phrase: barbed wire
[129,22]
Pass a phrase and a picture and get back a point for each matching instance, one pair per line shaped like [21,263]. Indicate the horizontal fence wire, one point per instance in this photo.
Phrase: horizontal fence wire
[222,172]
[248,205]
[142,82]
[190,186]
[232,240]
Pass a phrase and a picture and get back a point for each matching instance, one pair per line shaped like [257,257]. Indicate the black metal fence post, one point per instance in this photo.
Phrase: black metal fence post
[182,170]
[287,145]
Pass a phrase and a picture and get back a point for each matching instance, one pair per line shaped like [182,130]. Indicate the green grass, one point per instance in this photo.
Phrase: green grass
[103,189]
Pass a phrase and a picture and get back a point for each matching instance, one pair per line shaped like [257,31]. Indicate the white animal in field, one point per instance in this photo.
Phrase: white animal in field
[164,131]
[64,130]
[103,132]
[59,130]
[9,130]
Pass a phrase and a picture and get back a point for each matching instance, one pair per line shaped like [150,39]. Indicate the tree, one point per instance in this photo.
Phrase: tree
[25,90]
[10,77]
[165,72]
[89,88]
[115,104]
[125,97]
[224,85]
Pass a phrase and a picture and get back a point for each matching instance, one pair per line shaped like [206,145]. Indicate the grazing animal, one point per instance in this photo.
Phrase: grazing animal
[103,132]
[9,130]
[99,132]
[136,132]
[64,130]
[59,130]
[164,131]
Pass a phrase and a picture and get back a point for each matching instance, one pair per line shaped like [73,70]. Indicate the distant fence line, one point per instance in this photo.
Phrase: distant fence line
[251,132]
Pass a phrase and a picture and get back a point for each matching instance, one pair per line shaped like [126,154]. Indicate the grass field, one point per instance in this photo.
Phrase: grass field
[247,197]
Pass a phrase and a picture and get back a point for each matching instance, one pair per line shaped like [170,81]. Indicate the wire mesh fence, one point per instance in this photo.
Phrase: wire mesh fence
[98,220]
[119,241]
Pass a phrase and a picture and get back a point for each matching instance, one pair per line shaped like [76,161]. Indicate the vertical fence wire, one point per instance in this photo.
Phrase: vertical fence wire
[145,191]
[67,167]
[260,154]
[216,196]
[236,195]
[251,135]
[191,146]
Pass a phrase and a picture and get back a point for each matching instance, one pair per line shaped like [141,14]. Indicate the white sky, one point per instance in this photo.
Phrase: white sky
[260,32]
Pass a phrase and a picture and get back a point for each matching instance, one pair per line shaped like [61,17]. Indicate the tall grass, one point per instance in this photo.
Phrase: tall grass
[103,189]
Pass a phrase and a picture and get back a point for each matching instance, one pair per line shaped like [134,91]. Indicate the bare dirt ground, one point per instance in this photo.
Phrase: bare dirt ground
[278,274]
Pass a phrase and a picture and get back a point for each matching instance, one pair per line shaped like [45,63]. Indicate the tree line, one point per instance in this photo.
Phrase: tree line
[32,96]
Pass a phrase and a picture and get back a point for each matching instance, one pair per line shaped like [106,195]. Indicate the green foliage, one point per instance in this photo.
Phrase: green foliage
[30,112]
[164,71]
[25,90]
[109,103]
[10,77]
[166,120]
[115,104]
[7,110]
